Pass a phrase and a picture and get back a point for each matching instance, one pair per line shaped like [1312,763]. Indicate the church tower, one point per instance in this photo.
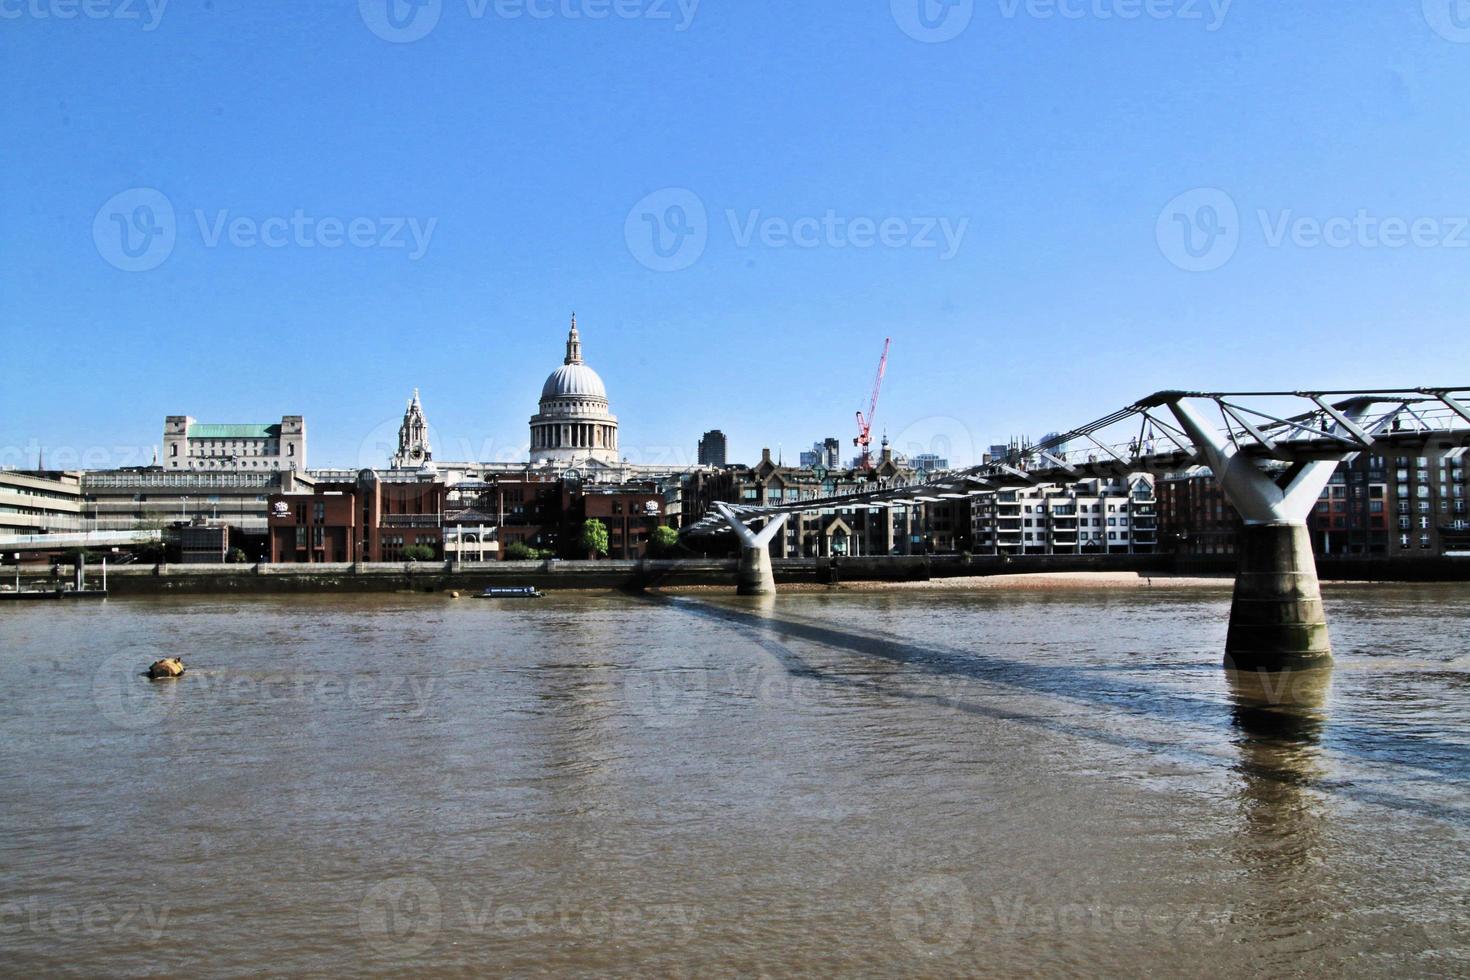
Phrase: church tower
[414,451]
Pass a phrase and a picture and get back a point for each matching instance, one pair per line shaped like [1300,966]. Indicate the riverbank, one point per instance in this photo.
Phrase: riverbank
[1019,582]
[1052,572]
[1058,581]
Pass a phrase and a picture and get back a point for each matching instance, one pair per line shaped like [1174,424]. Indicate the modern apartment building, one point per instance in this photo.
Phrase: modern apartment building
[1088,517]
[1428,498]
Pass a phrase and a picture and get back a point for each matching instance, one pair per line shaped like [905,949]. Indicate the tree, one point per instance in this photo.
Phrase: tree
[593,539]
[418,552]
[519,551]
[663,542]
[237,556]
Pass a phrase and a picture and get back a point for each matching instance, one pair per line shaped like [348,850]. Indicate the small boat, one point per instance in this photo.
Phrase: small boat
[520,593]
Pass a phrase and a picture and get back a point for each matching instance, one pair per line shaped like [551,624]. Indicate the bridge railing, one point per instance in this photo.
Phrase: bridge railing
[1145,438]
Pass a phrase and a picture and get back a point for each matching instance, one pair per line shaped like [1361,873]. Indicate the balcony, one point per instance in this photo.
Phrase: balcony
[411,520]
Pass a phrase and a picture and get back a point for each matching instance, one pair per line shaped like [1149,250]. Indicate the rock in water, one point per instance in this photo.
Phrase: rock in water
[166,669]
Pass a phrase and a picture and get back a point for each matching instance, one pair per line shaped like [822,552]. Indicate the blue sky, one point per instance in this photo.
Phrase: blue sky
[801,162]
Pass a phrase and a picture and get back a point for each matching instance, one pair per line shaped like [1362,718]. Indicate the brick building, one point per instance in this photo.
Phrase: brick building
[375,518]
[630,513]
[378,516]
[486,516]
[1194,516]
[1374,506]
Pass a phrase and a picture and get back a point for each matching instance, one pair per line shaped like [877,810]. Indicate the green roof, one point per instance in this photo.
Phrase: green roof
[197,431]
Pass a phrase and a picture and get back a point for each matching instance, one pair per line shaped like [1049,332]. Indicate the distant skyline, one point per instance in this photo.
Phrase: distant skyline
[243,210]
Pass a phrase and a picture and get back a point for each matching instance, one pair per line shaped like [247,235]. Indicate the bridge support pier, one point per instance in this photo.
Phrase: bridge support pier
[756,575]
[1276,618]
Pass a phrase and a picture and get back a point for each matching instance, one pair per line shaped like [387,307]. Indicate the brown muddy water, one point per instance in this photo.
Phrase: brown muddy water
[866,784]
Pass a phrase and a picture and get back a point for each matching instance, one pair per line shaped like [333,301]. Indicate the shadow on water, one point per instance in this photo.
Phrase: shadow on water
[1278,720]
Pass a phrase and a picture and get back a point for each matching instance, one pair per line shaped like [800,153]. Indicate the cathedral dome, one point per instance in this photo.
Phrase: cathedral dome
[574,426]
[573,381]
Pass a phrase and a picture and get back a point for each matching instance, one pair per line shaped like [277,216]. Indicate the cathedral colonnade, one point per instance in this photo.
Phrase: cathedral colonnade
[574,435]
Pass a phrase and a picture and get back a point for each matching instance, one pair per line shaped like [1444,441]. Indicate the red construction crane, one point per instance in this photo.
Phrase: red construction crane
[864,440]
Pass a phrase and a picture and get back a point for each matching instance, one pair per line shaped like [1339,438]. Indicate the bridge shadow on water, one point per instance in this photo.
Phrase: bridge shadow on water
[1278,723]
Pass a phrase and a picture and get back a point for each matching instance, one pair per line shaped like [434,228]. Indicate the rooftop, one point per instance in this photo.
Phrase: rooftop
[201,431]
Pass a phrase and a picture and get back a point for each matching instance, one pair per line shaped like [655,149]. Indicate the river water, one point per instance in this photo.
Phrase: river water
[867,783]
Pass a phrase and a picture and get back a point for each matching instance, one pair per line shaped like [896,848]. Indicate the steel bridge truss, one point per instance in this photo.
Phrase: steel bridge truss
[1292,428]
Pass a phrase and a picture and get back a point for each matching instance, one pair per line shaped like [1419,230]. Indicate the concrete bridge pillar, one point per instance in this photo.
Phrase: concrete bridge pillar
[756,575]
[1276,618]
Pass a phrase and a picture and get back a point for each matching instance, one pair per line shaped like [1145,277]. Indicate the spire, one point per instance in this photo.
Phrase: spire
[413,437]
[574,344]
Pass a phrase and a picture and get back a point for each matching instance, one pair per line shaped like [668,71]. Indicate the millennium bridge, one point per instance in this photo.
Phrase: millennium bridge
[1272,453]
